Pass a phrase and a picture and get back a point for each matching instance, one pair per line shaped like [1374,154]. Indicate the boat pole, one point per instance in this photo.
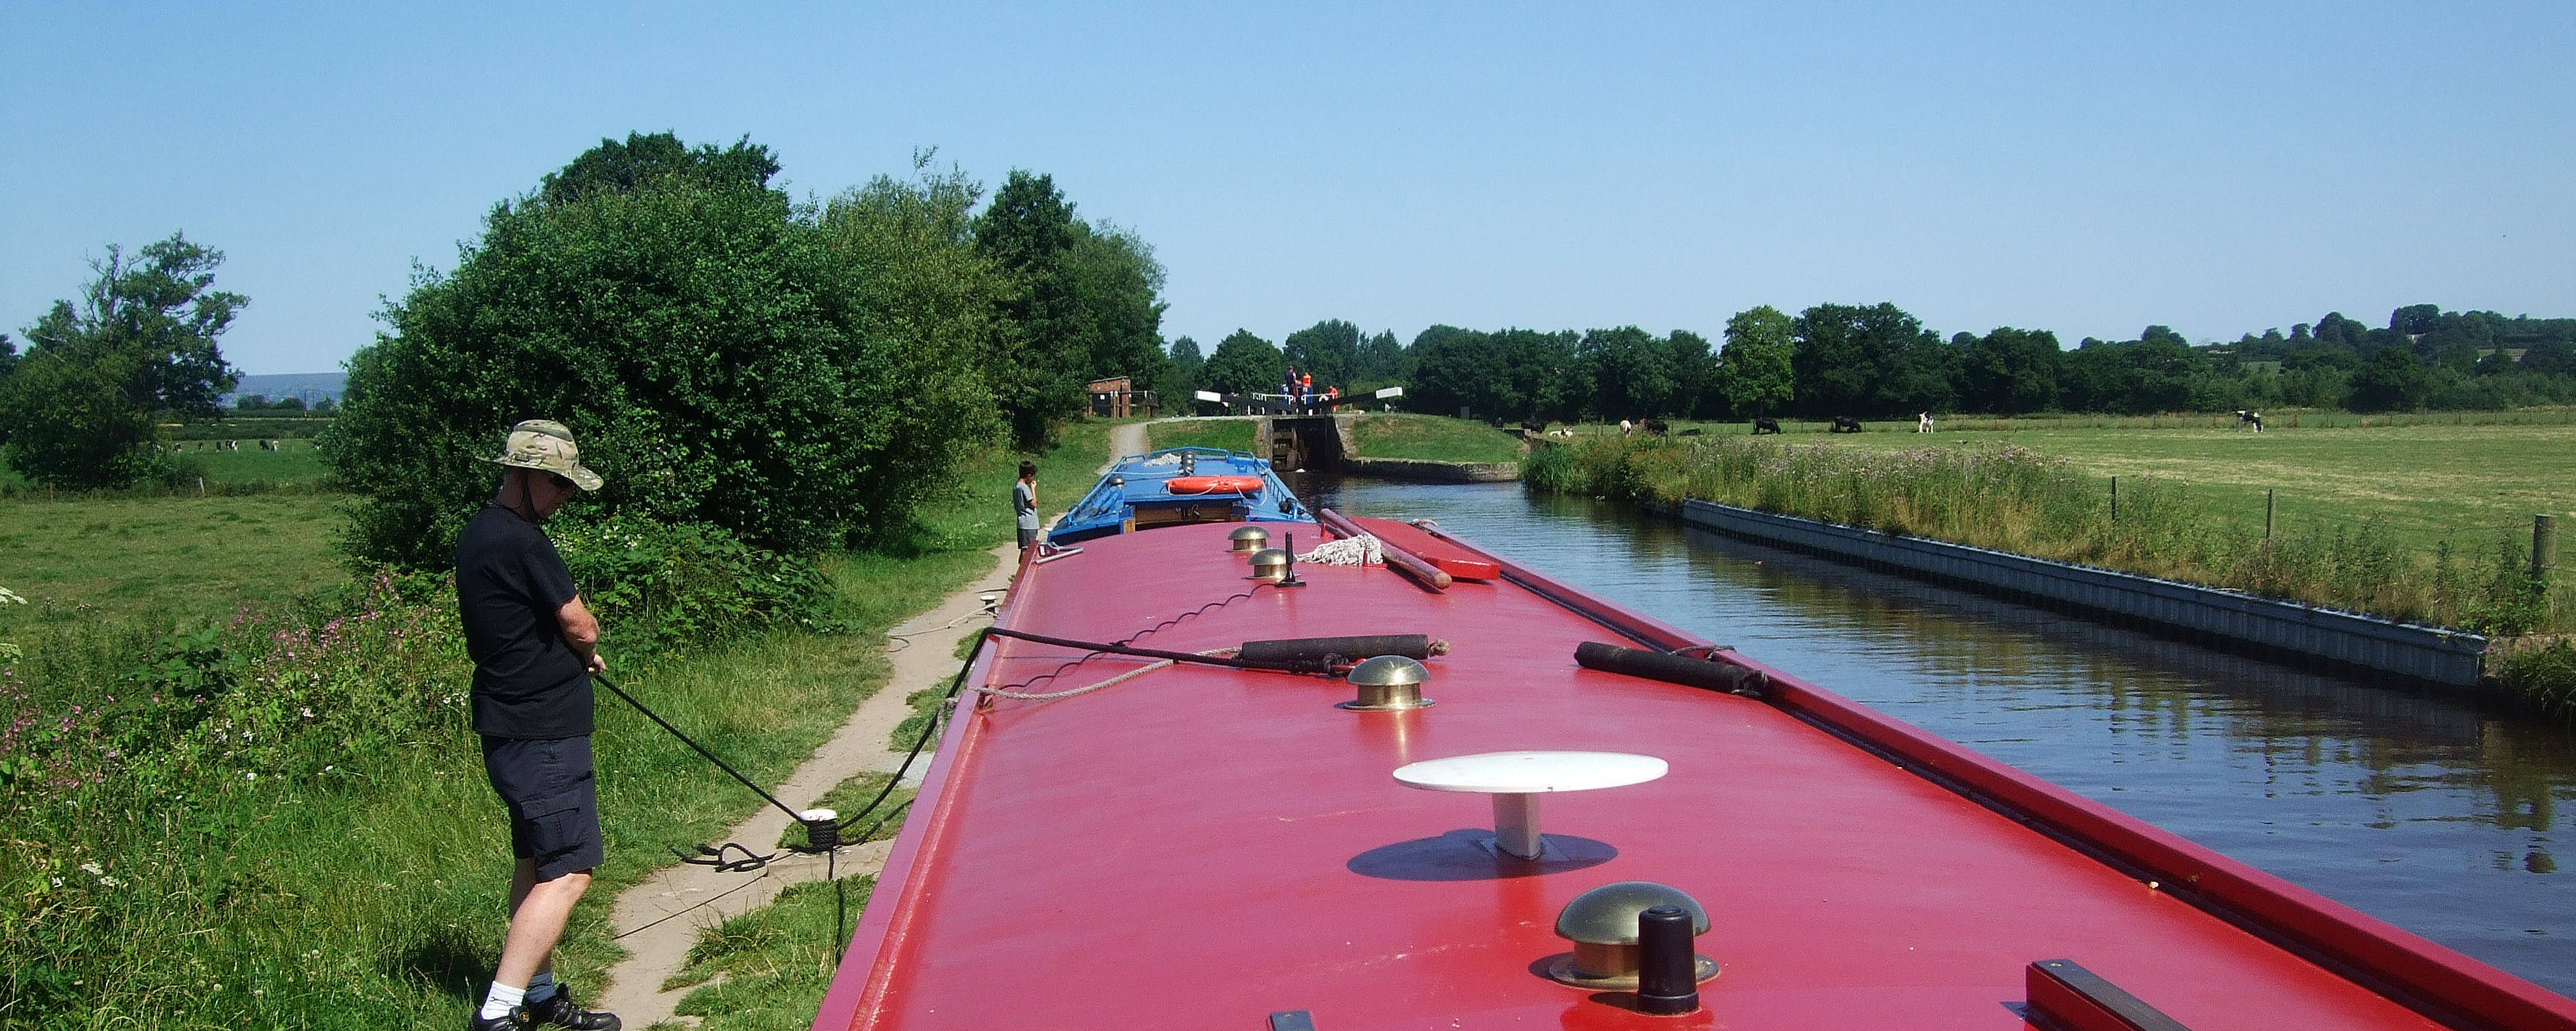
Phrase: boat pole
[1397,558]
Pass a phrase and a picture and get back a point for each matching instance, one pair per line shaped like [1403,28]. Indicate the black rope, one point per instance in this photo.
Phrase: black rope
[1164,625]
[701,749]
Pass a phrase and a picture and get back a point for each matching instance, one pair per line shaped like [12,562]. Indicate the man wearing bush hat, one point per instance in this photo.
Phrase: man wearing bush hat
[534,646]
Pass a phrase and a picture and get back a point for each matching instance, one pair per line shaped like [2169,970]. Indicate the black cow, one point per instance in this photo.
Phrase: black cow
[1533,428]
[1765,424]
[1844,424]
[1657,427]
[1494,421]
[1691,432]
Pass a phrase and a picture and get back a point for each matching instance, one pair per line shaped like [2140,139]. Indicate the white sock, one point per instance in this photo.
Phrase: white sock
[502,998]
[541,987]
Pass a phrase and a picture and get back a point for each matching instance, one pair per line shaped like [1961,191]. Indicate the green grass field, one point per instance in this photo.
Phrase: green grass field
[2427,482]
[294,464]
[1434,437]
[1228,434]
[129,556]
[355,881]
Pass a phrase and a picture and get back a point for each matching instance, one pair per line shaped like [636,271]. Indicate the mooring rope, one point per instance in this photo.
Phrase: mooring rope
[1024,696]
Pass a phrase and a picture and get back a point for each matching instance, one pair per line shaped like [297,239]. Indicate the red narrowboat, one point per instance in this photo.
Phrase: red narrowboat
[1674,835]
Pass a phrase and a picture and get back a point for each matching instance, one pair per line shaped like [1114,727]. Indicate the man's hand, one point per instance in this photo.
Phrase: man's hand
[598,662]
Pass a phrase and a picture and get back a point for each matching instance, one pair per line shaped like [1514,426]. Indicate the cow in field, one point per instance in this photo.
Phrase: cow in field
[1765,424]
[1844,424]
[1656,427]
[1691,432]
[1923,422]
[1533,428]
[2245,418]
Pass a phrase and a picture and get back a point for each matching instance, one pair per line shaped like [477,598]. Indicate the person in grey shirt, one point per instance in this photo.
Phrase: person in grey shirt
[1024,502]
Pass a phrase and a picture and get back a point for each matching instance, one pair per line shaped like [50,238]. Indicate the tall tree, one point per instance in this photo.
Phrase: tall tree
[1029,232]
[1383,360]
[2011,371]
[1874,360]
[1629,371]
[1243,364]
[80,409]
[1118,306]
[1328,350]
[2392,380]
[1181,373]
[1694,371]
[619,167]
[1754,371]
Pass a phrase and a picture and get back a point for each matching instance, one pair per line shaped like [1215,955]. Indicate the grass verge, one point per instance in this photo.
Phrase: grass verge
[1437,438]
[1226,434]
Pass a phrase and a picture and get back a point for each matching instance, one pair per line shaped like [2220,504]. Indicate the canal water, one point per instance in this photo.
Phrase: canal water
[2439,815]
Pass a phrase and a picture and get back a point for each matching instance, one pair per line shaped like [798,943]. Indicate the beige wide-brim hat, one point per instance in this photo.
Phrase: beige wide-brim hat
[546,444]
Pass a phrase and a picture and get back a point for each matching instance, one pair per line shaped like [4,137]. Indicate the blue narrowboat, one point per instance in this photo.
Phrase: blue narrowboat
[1178,486]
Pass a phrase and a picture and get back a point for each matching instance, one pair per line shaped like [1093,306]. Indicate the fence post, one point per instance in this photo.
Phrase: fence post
[2267,513]
[2115,499]
[2544,545]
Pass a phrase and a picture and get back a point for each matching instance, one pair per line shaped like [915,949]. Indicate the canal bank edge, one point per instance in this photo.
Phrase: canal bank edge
[1424,470]
[2229,618]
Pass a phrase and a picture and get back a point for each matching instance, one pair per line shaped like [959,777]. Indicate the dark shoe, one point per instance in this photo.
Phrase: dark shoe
[560,1011]
[515,1020]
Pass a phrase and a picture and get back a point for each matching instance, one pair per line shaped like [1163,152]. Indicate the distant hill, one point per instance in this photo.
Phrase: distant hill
[311,386]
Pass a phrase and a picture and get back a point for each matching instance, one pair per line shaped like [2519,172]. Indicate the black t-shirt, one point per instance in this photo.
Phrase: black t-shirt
[510,583]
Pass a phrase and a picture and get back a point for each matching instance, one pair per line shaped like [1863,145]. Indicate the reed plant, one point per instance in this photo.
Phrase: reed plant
[2012,498]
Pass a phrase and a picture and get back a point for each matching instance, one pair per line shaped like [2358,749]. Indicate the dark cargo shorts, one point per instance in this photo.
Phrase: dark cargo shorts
[553,799]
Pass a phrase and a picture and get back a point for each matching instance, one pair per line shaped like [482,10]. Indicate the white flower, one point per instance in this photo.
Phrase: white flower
[248,775]
[92,868]
[110,881]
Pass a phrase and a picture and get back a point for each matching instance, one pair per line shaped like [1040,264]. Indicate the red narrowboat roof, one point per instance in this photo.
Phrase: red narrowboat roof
[1202,847]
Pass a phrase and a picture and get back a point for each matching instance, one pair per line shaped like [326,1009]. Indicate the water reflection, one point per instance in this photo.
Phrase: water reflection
[2434,813]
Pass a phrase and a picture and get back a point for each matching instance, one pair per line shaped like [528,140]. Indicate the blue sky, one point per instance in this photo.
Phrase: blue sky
[2083,169]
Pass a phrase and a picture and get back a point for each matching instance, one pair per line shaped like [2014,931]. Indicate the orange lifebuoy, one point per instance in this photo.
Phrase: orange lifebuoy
[1213,485]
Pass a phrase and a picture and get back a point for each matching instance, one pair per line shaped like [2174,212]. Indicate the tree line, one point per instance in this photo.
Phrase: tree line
[801,372]
[1879,361]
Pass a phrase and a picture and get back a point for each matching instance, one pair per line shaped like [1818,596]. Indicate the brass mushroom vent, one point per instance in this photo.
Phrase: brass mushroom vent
[1388,683]
[1248,539]
[1269,565]
[1602,923]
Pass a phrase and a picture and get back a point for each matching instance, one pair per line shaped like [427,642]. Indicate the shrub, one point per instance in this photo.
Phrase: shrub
[658,587]
[721,358]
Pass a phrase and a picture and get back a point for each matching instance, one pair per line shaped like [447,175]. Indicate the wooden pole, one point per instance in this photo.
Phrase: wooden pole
[2267,513]
[2544,545]
[2115,499]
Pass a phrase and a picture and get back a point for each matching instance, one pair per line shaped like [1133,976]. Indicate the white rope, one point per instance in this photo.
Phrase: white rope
[1023,696]
[1363,550]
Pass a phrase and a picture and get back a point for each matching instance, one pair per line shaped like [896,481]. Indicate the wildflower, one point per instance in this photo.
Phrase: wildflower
[92,868]
[250,775]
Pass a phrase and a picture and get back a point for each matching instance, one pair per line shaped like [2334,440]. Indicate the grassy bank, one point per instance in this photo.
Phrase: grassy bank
[2018,499]
[2425,483]
[272,815]
[1436,438]
[1227,434]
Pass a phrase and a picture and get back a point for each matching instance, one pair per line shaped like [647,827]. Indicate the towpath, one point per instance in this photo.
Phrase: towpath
[659,919]
[1124,440]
